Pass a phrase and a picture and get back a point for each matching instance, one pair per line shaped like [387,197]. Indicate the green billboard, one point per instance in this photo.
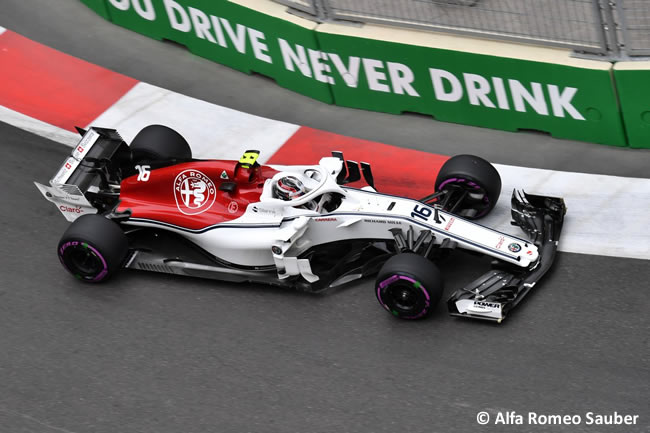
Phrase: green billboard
[633,85]
[565,100]
[504,86]
[225,32]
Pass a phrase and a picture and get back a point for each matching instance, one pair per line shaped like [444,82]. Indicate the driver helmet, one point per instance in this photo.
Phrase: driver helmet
[288,188]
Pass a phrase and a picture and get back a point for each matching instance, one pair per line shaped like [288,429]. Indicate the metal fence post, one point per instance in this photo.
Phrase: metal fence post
[610,27]
[322,11]
[634,25]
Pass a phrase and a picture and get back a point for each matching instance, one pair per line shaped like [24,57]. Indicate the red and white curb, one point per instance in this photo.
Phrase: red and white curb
[212,130]
[48,93]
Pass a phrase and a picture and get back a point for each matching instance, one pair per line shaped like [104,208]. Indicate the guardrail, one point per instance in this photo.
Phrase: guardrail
[454,79]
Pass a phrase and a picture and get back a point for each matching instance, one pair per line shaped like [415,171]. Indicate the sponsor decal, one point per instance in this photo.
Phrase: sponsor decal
[483,304]
[68,199]
[233,207]
[482,308]
[324,219]
[66,193]
[224,175]
[65,171]
[194,192]
[451,221]
[85,144]
[66,245]
[76,209]
[514,247]
[262,210]
[501,241]
[376,221]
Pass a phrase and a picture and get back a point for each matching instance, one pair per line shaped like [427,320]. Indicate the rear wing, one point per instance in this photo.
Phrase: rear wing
[93,166]
[98,151]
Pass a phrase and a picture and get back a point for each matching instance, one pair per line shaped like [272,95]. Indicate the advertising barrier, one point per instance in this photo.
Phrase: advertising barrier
[225,32]
[568,98]
[469,81]
[633,85]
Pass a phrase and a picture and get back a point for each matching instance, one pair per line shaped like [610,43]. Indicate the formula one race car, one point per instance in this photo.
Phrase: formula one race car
[150,206]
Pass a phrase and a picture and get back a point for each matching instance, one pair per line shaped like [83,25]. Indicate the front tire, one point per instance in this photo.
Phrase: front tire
[474,179]
[409,286]
[93,248]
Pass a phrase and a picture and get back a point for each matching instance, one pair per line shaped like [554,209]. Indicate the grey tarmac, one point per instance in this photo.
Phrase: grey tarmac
[152,353]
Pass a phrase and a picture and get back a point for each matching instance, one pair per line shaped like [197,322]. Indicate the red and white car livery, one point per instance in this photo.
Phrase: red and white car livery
[151,206]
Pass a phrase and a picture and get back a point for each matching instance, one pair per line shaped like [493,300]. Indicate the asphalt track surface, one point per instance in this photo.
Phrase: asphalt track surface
[152,353]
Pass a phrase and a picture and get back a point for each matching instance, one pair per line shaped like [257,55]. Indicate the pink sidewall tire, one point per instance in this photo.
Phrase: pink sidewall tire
[93,248]
[475,176]
[409,286]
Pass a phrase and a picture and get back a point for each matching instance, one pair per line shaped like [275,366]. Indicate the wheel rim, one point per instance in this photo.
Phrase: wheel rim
[83,261]
[403,296]
[474,195]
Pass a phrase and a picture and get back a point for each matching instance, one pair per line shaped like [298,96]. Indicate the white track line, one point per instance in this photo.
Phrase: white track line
[38,127]
[213,131]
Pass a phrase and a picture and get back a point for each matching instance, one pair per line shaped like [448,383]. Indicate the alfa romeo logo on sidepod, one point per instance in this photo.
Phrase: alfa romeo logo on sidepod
[194,192]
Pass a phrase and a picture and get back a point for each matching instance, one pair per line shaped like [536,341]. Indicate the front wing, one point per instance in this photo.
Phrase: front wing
[497,292]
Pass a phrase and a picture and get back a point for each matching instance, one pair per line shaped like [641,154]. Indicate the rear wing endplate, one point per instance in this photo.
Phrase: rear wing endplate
[68,199]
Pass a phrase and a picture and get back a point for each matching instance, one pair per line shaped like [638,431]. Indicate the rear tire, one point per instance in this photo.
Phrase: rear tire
[159,143]
[477,177]
[409,286]
[93,248]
